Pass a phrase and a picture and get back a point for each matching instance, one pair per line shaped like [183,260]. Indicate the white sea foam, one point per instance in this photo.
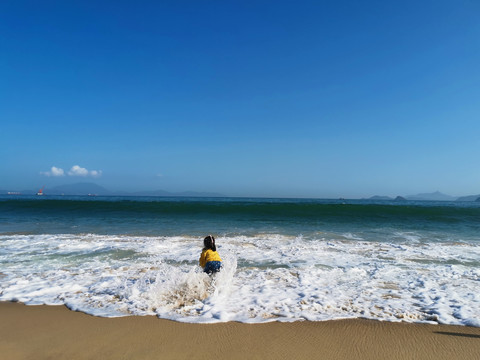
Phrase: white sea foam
[264,277]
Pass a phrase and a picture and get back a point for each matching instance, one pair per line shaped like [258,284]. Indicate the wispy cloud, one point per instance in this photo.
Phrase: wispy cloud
[76,170]
[54,171]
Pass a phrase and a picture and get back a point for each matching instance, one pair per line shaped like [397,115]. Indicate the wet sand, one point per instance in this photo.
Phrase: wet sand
[54,332]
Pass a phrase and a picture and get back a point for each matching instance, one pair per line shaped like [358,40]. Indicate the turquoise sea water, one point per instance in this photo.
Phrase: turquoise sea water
[284,259]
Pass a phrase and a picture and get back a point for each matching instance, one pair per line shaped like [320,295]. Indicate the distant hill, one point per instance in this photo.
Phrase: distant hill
[469,198]
[378,197]
[436,196]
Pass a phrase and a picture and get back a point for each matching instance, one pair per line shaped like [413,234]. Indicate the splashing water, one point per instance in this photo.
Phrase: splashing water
[179,292]
[265,277]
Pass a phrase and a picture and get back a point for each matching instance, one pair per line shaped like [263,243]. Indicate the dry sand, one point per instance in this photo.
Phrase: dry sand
[54,332]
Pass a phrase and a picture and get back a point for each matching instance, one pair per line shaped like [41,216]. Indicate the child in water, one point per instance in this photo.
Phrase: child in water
[209,259]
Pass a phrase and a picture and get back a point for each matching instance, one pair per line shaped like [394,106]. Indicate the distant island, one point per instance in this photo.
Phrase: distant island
[469,198]
[435,196]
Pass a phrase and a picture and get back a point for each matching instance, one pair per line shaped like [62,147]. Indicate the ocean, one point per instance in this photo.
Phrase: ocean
[283,259]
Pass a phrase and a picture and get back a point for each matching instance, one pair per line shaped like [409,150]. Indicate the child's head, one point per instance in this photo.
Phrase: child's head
[209,243]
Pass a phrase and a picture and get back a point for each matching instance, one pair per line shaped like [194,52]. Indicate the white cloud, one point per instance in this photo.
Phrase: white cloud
[54,171]
[79,171]
[74,171]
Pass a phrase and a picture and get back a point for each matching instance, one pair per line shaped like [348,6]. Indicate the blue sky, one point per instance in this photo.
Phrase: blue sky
[244,98]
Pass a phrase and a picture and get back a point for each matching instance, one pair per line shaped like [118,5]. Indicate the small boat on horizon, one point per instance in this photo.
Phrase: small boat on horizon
[40,192]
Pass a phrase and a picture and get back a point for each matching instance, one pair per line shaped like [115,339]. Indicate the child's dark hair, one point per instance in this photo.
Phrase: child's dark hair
[209,243]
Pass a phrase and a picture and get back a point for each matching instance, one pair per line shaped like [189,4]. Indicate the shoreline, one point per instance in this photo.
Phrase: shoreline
[46,332]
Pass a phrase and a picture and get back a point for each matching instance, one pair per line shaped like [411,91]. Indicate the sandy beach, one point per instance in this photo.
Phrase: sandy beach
[55,332]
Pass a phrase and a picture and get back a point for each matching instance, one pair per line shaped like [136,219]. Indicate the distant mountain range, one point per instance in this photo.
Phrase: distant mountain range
[435,196]
[94,189]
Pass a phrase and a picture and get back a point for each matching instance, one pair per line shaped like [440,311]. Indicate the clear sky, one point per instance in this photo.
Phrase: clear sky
[245,98]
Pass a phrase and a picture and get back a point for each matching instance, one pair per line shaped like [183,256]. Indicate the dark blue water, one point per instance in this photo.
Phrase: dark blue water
[236,216]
